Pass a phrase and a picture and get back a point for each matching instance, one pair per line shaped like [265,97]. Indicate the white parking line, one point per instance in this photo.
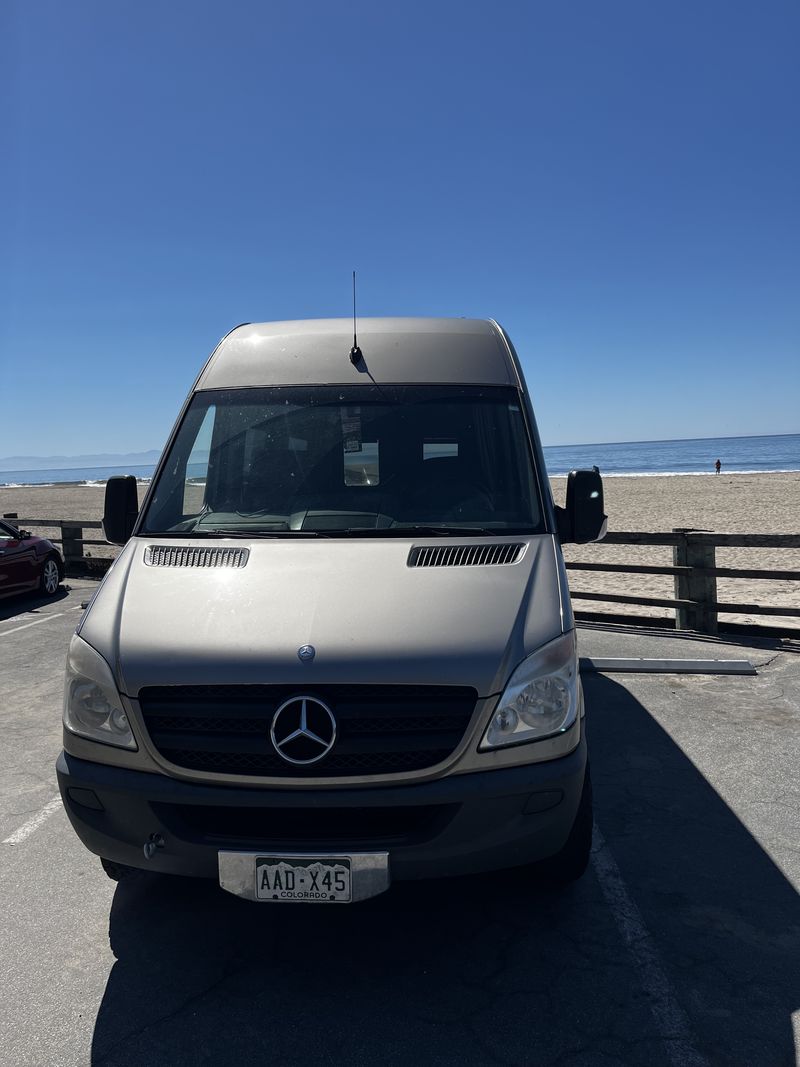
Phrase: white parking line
[34,823]
[16,618]
[673,1024]
[47,618]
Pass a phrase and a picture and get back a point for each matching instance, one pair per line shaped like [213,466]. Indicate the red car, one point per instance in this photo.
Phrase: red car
[28,563]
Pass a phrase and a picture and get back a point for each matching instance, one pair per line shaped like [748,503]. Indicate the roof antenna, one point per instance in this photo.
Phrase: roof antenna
[355,352]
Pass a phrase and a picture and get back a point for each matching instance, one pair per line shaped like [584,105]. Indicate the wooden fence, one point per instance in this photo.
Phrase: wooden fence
[695,574]
[73,542]
[693,568]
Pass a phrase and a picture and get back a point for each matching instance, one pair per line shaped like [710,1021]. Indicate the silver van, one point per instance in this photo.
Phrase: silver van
[337,648]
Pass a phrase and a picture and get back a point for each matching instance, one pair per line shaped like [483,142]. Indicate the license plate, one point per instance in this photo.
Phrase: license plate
[315,878]
[324,880]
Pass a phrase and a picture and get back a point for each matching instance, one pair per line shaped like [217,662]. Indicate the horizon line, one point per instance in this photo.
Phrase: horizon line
[672,440]
[576,444]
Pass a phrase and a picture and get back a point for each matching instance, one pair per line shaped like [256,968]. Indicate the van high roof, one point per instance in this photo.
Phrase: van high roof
[395,350]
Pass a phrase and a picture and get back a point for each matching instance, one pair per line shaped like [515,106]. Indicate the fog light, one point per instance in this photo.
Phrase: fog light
[87,798]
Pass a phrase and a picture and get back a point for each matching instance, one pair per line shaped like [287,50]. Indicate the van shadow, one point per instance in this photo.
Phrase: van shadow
[492,969]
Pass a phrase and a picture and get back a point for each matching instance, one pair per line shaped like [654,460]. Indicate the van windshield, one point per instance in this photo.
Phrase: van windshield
[348,461]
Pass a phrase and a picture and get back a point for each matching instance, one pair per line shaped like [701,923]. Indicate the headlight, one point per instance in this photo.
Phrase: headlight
[92,705]
[541,698]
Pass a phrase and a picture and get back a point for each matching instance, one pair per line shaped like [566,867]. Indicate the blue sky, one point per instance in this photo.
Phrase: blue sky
[616,183]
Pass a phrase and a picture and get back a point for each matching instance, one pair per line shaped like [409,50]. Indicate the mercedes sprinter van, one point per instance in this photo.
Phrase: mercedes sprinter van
[337,647]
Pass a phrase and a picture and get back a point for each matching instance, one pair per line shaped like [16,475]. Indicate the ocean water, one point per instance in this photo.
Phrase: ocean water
[72,475]
[738,455]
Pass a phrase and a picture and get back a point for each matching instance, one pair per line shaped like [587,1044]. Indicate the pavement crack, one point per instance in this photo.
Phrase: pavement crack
[768,663]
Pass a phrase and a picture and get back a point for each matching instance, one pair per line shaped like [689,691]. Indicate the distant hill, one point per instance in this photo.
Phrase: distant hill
[99,459]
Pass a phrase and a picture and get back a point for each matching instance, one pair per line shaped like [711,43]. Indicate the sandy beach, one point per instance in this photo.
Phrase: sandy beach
[741,503]
[738,503]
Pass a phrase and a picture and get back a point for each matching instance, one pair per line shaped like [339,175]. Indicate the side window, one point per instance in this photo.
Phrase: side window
[194,487]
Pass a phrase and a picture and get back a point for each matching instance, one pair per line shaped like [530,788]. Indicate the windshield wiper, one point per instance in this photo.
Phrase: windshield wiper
[412,530]
[255,533]
[423,531]
[259,532]
[179,533]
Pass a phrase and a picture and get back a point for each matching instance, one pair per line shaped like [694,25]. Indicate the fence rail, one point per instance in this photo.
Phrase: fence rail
[704,537]
[70,536]
[695,575]
[693,569]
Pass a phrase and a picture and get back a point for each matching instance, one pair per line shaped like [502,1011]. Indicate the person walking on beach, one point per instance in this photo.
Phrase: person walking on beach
[717,467]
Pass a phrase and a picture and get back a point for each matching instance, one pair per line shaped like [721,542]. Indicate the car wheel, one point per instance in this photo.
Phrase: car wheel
[50,578]
[570,863]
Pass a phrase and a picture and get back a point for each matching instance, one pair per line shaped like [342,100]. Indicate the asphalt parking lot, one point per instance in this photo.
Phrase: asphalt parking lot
[680,946]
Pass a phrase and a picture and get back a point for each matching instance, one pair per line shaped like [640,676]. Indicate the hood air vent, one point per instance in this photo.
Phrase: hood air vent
[465,555]
[167,556]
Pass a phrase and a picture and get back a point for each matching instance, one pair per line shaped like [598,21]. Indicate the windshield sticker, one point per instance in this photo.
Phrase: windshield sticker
[351,429]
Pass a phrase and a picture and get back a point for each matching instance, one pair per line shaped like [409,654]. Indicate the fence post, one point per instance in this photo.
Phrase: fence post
[702,588]
[72,545]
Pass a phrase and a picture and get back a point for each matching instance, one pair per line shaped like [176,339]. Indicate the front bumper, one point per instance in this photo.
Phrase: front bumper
[456,825]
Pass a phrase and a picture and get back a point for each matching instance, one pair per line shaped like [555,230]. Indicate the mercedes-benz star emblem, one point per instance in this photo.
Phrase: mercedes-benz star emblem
[306,653]
[303,730]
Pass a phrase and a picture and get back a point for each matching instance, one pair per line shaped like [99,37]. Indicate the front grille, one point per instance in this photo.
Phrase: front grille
[323,828]
[380,729]
[465,555]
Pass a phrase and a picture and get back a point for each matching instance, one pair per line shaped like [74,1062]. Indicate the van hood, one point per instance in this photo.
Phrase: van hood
[370,617]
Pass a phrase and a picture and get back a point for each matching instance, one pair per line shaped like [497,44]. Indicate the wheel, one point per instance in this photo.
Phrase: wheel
[50,578]
[570,863]
[118,872]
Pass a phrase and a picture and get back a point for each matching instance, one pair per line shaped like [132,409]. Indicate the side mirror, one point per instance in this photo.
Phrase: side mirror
[583,519]
[25,535]
[121,508]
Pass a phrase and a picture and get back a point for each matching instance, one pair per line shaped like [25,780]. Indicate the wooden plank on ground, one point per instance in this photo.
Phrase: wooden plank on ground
[613,665]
